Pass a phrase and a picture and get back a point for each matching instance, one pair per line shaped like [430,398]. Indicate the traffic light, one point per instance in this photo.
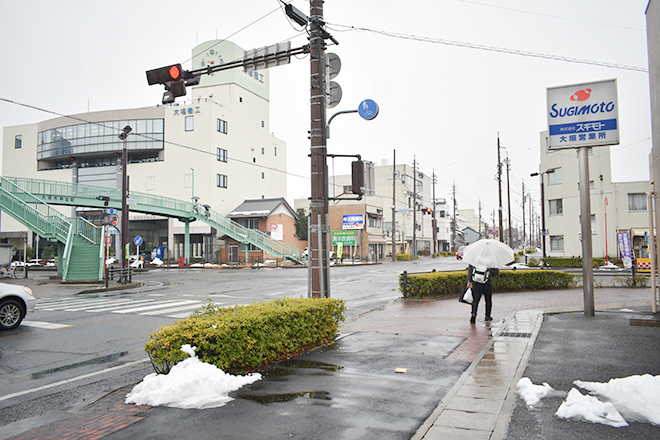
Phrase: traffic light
[427,211]
[104,199]
[172,77]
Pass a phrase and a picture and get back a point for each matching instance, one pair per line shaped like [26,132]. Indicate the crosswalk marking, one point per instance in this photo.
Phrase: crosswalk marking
[174,308]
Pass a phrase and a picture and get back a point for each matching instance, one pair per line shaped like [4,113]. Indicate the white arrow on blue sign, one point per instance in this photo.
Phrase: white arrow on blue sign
[137,240]
[368,109]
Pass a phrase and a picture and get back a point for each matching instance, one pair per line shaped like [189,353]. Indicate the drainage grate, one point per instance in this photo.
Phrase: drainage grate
[516,335]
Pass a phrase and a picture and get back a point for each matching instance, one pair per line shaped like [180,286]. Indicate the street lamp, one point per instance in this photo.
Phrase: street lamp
[124,205]
[542,206]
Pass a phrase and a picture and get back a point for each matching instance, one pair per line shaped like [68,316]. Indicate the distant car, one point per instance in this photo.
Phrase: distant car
[15,302]
[459,253]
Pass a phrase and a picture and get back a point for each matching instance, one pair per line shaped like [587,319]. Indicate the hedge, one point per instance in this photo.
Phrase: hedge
[241,339]
[404,257]
[447,284]
[570,261]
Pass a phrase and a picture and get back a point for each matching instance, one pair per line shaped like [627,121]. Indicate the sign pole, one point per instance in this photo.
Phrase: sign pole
[585,222]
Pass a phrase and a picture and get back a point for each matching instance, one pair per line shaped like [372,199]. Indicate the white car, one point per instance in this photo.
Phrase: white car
[15,302]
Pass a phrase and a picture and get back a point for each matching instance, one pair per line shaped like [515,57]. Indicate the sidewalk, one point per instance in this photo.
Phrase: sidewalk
[480,404]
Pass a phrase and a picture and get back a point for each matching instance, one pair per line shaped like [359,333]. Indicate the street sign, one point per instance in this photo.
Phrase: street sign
[368,109]
[131,201]
[137,240]
[111,211]
[112,230]
[347,238]
[352,221]
[108,239]
[583,115]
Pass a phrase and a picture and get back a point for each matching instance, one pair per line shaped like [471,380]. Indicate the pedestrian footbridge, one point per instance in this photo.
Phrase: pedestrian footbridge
[81,252]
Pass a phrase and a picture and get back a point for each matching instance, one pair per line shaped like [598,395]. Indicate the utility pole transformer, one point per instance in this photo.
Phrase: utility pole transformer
[319,227]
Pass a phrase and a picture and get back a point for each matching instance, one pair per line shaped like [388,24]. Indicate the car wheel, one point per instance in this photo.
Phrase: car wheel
[11,314]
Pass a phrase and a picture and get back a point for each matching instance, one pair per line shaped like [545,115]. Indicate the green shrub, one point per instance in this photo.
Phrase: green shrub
[446,284]
[570,261]
[530,251]
[533,262]
[404,257]
[243,338]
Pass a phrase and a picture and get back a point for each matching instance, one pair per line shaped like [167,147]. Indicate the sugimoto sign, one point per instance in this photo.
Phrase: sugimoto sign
[583,115]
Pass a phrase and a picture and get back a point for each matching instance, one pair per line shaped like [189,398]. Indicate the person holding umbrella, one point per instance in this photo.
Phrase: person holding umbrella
[480,281]
[484,257]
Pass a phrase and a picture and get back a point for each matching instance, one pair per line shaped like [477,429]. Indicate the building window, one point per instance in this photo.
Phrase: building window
[254,160]
[250,223]
[222,181]
[263,175]
[556,207]
[374,222]
[348,188]
[637,202]
[262,124]
[18,141]
[222,155]
[557,243]
[275,149]
[222,126]
[263,150]
[555,178]
[190,123]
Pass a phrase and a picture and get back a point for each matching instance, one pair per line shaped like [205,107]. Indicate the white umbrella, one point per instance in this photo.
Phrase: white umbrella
[488,253]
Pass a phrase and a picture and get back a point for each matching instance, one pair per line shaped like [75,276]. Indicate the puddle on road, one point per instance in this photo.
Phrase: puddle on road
[286,367]
[288,397]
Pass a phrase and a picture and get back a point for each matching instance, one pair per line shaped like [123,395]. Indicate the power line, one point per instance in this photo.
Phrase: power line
[495,49]
[175,144]
[552,16]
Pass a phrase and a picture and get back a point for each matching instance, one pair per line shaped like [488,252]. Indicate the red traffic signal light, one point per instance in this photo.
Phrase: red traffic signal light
[164,75]
[427,211]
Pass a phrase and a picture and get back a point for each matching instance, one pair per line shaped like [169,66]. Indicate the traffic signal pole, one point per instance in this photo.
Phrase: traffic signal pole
[319,227]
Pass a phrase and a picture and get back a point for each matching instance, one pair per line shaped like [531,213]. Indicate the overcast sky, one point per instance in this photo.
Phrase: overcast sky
[440,101]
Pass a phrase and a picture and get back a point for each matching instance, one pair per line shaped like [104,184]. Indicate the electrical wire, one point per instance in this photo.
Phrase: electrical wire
[492,48]
[175,144]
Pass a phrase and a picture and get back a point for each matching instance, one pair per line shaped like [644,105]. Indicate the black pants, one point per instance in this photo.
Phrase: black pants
[477,291]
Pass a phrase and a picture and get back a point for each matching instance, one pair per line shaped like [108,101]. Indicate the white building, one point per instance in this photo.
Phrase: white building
[615,207]
[217,145]
[384,186]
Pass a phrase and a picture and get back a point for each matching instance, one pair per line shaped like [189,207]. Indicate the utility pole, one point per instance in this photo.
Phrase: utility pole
[508,196]
[499,186]
[480,236]
[453,229]
[523,212]
[433,221]
[394,206]
[414,243]
[319,227]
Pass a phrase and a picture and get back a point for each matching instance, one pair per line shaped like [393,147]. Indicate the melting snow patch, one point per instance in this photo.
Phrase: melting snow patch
[530,393]
[190,384]
[636,397]
[589,408]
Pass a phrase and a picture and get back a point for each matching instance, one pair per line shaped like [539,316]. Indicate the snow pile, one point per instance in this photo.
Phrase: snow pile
[190,384]
[589,408]
[530,393]
[157,262]
[637,398]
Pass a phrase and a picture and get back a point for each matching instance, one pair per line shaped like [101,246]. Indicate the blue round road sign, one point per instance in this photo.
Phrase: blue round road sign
[368,109]
[137,240]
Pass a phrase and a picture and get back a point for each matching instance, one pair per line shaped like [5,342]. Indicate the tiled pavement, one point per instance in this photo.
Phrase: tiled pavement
[90,423]
[477,407]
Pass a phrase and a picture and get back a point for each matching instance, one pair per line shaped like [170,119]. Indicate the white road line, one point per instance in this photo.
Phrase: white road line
[78,305]
[190,307]
[45,325]
[73,379]
[121,305]
[157,306]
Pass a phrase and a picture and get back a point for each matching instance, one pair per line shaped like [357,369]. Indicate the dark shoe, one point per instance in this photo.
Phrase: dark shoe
[473,319]
[488,318]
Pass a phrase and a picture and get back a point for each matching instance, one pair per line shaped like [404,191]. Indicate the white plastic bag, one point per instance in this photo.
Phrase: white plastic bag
[466,296]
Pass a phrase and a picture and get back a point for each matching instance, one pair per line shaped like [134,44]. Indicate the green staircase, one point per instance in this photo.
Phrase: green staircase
[82,241]
[63,193]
